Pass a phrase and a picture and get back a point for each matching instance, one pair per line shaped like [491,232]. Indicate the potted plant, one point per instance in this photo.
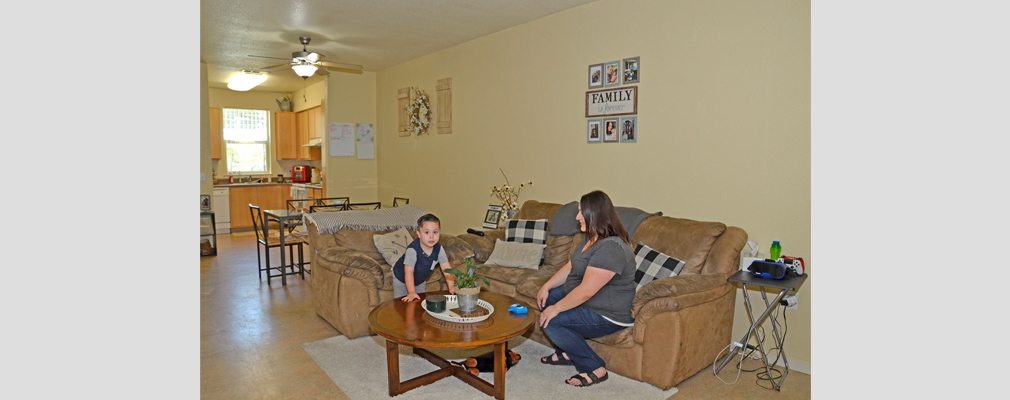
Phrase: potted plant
[467,286]
[285,103]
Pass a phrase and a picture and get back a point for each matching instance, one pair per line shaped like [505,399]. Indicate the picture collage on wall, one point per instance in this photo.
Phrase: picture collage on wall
[615,109]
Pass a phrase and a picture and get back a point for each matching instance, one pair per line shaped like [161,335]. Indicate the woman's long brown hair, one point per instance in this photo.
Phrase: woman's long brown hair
[601,218]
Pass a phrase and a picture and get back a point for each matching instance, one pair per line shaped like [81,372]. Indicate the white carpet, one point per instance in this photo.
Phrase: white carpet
[358,367]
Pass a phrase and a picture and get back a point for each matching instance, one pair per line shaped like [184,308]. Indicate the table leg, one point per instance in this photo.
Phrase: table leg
[499,370]
[393,367]
[775,335]
[284,276]
[754,325]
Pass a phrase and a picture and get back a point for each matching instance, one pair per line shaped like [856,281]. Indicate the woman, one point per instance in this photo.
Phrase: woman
[591,295]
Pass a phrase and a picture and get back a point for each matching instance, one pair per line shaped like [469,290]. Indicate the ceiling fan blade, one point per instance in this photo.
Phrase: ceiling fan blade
[341,65]
[322,72]
[275,66]
[272,58]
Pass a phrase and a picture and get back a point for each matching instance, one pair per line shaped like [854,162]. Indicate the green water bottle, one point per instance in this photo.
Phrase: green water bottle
[776,250]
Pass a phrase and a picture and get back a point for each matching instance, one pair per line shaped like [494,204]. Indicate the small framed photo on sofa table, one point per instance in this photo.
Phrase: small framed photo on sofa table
[492,217]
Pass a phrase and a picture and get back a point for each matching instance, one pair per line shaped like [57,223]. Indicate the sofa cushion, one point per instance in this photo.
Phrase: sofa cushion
[515,254]
[683,239]
[654,265]
[527,231]
[392,245]
[564,223]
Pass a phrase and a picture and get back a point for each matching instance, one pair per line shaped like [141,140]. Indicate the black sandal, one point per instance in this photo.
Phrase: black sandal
[587,383]
[560,361]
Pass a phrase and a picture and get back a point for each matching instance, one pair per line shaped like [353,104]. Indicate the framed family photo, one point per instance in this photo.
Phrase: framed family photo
[610,134]
[204,202]
[612,74]
[632,69]
[492,217]
[596,76]
[593,131]
[629,129]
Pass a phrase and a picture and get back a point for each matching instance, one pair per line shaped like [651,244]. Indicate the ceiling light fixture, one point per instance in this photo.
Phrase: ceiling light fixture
[304,69]
[245,80]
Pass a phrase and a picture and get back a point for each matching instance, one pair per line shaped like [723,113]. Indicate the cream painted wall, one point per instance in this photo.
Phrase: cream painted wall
[207,185]
[724,118]
[265,101]
[350,99]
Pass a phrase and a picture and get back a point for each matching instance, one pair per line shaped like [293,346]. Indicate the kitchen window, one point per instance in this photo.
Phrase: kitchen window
[247,138]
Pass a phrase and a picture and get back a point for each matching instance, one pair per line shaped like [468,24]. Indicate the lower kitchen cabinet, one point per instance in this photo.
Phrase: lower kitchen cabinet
[267,197]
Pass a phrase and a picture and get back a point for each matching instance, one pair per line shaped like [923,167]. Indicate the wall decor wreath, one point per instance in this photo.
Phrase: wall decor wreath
[419,112]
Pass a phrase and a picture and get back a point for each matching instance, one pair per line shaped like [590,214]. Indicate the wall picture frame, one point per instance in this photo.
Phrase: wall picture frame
[492,217]
[629,129]
[611,74]
[611,132]
[596,76]
[632,70]
[204,203]
[594,131]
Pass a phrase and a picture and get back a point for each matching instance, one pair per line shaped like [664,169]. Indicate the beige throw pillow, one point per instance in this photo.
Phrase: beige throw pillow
[515,254]
[392,245]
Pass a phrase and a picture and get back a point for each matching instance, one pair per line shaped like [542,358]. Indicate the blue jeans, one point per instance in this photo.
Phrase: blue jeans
[570,329]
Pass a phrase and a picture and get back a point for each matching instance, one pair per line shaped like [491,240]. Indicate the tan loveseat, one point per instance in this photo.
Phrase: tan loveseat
[681,322]
[350,276]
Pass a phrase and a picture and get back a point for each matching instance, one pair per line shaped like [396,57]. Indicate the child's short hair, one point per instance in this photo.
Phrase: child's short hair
[427,218]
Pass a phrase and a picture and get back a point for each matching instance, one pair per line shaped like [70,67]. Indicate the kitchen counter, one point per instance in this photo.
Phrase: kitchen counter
[250,184]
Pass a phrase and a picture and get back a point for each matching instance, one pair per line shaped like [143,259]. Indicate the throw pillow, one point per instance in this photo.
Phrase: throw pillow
[517,255]
[654,265]
[392,245]
[527,231]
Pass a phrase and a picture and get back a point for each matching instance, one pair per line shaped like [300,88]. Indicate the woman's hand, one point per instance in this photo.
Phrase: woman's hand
[411,296]
[542,296]
[547,315]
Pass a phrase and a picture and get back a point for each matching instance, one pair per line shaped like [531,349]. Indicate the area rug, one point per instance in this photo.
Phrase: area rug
[358,367]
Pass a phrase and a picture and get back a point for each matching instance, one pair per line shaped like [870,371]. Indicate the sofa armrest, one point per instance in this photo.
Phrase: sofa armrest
[482,246]
[350,263]
[674,294]
[456,249]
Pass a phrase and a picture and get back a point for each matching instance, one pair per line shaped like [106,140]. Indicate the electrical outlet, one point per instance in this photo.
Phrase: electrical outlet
[203,177]
[791,302]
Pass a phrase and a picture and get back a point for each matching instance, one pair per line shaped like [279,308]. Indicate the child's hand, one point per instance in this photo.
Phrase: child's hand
[411,296]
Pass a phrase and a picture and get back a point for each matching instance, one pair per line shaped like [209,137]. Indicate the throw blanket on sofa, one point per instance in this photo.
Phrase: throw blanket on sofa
[564,223]
[383,219]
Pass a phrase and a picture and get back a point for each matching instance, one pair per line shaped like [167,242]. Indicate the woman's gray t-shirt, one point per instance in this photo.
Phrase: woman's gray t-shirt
[614,299]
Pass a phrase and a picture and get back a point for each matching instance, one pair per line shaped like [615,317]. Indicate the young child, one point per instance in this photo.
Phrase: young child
[415,266]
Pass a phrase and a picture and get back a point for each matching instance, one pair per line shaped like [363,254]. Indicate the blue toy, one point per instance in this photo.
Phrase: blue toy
[518,309]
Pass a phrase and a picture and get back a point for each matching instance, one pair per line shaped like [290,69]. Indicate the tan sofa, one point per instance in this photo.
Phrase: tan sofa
[350,277]
[681,322]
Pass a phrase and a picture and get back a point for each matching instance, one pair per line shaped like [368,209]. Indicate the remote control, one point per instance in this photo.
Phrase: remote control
[474,231]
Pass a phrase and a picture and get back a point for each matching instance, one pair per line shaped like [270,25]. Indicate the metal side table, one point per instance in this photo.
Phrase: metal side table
[785,285]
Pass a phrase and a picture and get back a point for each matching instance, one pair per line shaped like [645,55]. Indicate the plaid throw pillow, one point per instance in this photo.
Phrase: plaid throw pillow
[527,231]
[654,265]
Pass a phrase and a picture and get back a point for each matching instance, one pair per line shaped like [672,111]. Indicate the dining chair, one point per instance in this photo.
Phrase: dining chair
[397,201]
[332,201]
[375,205]
[268,241]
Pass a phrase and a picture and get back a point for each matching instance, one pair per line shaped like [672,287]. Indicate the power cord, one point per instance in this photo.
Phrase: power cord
[759,334]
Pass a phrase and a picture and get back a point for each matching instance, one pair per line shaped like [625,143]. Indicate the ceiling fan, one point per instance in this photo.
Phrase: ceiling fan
[305,63]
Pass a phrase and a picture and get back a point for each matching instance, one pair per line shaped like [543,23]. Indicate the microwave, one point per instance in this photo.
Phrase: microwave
[301,173]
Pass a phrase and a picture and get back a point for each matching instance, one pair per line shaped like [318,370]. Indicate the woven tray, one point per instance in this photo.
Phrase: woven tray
[451,304]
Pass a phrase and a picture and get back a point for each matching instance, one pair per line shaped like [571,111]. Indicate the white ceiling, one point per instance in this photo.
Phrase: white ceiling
[375,34]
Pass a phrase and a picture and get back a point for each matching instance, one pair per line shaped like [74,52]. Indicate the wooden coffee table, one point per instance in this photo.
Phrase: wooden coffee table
[409,324]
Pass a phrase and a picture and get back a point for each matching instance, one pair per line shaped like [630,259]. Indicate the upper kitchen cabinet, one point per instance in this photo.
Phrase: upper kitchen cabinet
[309,126]
[286,140]
[216,132]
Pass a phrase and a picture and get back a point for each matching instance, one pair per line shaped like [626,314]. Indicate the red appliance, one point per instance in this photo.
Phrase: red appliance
[301,173]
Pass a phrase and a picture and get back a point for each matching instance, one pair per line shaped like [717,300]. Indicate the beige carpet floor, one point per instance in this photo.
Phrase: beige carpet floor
[358,367]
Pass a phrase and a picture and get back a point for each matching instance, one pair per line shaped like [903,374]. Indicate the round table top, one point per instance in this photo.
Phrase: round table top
[405,323]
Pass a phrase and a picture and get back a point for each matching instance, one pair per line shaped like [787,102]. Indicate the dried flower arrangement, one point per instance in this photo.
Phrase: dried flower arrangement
[507,194]
[419,111]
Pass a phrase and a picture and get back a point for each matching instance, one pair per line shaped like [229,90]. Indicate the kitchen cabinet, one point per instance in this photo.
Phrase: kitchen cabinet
[287,145]
[267,197]
[216,132]
[315,193]
[308,126]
